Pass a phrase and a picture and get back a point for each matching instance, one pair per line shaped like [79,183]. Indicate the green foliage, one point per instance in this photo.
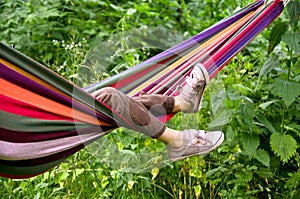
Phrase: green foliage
[270,64]
[254,100]
[276,34]
[293,9]
[250,143]
[287,89]
[283,145]
[292,40]
[293,184]
[263,157]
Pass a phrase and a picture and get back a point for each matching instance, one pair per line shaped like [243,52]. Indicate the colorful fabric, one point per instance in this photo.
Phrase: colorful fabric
[44,118]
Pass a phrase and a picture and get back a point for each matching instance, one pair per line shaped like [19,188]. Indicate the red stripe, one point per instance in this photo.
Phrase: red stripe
[123,82]
[235,40]
[25,137]
[24,109]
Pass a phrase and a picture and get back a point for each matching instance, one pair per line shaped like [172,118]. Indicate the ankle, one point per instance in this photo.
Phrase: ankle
[178,140]
[181,104]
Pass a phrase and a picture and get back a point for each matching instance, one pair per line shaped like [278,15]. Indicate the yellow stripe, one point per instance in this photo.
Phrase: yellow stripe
[39,81]
[28,75]
[10,90]
[212,41]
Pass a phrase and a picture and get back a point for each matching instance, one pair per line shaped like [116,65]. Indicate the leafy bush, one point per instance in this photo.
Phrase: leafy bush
[254,100]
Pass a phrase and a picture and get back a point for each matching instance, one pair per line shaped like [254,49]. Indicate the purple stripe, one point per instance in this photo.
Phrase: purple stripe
[211,68]
[26,137]
[203,35]
[26,83]
[270,16]
[32,150]
[179,48]
[159,80]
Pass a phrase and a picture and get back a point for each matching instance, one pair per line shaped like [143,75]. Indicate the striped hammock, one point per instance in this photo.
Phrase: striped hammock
[44,118]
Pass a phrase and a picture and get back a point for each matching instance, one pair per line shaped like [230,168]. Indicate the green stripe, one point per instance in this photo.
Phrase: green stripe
[15,122]
[248,22]
[50,77]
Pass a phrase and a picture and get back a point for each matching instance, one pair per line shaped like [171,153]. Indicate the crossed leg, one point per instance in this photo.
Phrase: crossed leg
[141,112]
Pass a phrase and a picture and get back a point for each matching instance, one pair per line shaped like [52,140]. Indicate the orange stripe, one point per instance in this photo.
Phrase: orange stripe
[28,75]
[23,95]
[210,42]
[39,81]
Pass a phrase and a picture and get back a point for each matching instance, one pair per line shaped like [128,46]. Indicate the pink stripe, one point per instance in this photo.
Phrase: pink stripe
[139,74]
[235,40]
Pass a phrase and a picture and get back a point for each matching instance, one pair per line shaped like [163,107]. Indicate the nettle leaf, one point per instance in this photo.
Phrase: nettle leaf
[263,157]
[268,66]
[293,9]
[266,123]
[222,119]
[276,33]
[250,143]
[217,99]
[266,104]
[246,111]
[284,146]
[229,133]
[242,88]
[264,172]
[292,40]
[287,89]
[211,172]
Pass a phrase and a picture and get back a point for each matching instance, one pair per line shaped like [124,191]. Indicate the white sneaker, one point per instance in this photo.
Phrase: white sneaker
[196,142]
[193,90]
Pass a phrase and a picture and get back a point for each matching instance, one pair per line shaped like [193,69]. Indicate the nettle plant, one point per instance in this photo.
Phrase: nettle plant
[261,151]
[282,69]
[273,104]
[268,112]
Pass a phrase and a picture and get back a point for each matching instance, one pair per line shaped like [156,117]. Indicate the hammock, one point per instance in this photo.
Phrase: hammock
[44,118]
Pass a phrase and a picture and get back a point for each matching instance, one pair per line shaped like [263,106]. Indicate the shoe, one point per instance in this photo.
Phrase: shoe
[193,90]
[197,142]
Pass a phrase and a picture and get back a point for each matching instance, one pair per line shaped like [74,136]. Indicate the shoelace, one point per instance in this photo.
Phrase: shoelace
[200,138]
[194,81]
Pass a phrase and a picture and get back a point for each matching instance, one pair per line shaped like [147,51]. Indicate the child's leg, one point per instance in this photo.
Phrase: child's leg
[134,111]
[181,144]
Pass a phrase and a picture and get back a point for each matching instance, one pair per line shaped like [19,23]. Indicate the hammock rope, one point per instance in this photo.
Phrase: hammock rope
[44,118]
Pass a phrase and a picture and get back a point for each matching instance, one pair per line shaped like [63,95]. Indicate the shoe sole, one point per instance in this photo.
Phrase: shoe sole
[204,72]
[218,143]
[201,70]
